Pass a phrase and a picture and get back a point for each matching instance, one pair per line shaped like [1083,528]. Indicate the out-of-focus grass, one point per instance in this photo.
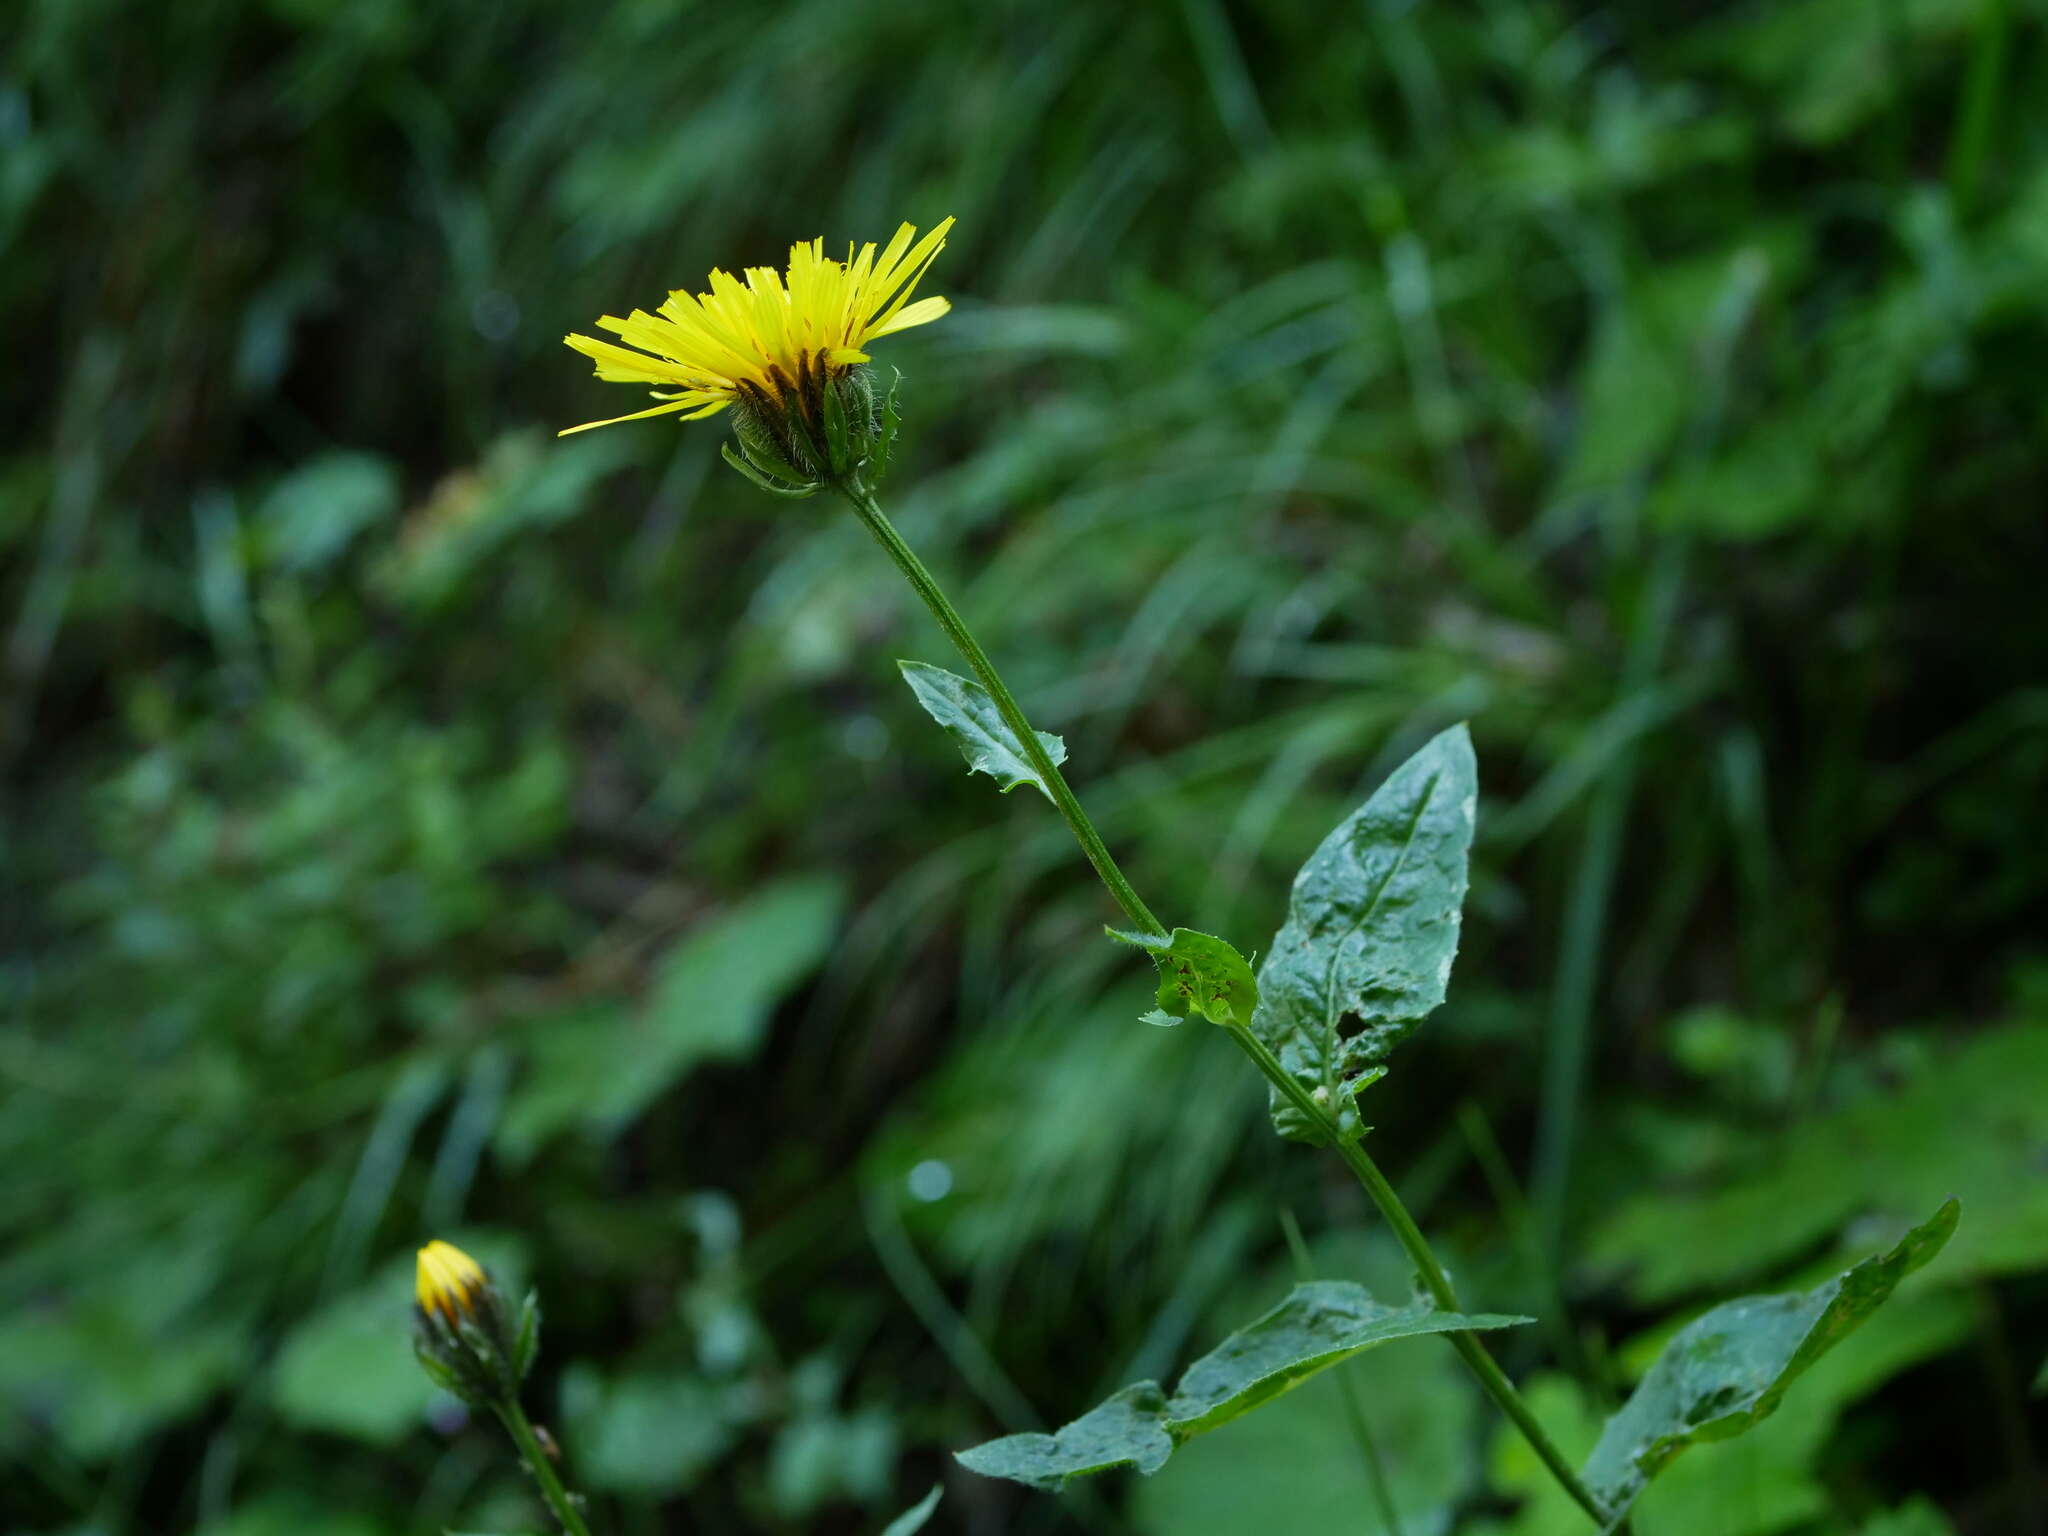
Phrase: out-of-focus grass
[1660,393]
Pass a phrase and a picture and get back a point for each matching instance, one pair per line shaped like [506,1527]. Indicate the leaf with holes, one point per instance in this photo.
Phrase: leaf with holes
[1728,1369]
[1198,973]
[969,715]
[1320,1324]
[1371,930]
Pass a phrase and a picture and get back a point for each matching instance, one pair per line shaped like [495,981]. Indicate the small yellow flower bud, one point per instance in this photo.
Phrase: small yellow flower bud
[450,1282]
[467,1338]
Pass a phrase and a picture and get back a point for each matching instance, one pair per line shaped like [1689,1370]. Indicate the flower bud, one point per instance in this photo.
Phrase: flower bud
[465,1336]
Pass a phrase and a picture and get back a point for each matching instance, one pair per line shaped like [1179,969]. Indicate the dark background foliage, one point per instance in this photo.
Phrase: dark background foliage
[416,825]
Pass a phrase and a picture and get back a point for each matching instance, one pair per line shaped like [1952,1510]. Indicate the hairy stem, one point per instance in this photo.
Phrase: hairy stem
[559,1498]
[942,609]
[1474,1353]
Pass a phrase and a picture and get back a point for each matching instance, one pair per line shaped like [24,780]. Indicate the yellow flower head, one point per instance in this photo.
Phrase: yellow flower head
[450,1283]
[775,340]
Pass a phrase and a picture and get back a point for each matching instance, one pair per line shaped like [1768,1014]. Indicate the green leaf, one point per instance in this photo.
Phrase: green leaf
[1198,973]
[1128,1429]
[349,1369]
[969,715]
[912,1519]
[313,514]
[1321,1323]
[1371,931]
[711,999]
[1728,1369]
[1773,1475]
[1889,1153]
[649,1433]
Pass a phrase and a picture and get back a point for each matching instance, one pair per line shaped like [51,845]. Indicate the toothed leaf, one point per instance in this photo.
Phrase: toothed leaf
[1320,1324]
[1728,1369]
[968,713]
[1372,927]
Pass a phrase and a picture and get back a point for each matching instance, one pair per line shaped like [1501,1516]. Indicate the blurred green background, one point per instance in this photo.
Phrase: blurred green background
[416,825]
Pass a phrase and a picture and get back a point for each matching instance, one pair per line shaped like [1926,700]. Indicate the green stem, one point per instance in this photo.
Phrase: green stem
[942,609]
[1482,1365]
[513,1417]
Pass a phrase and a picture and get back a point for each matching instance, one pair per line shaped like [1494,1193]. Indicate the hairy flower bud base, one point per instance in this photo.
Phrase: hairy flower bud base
[821,429]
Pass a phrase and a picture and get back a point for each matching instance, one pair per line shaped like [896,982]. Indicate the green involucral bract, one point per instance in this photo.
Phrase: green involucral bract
[885,444]
[1198,973]
[969,715]
[1729,1368]
[1320,1324]
[1371,931]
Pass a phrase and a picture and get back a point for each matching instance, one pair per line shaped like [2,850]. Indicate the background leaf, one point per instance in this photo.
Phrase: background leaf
[1372,928]
[913,1519]
[709,1002]
[1889,1153]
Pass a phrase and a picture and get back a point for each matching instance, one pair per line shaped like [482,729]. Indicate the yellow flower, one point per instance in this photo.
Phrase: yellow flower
[773,338]
[450,1283]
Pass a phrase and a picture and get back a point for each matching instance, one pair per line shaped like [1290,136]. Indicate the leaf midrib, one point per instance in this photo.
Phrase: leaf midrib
[1330,1074]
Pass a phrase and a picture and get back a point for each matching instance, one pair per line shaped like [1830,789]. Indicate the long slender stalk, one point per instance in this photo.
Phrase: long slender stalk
[942,609]
[513,1417]
[1490,1376]
[1474,1353]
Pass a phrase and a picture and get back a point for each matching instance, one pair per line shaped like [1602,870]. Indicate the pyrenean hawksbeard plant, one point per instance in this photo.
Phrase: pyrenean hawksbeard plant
[1363,956]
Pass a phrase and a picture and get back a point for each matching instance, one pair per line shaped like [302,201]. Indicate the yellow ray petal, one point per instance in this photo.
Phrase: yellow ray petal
[901,278]
[623,367]
[659,410]
[923,312]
